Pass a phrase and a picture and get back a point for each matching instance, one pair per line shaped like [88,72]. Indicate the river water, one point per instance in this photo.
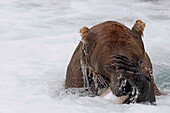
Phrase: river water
[38,37]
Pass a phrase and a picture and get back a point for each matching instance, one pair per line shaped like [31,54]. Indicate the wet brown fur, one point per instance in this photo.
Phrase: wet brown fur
[103,41]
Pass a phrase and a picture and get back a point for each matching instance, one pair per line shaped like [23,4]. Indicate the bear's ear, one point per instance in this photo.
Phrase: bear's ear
[84,31]
[139,27]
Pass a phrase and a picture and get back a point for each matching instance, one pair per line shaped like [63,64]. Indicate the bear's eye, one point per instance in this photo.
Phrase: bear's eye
[148,78]
[140,63]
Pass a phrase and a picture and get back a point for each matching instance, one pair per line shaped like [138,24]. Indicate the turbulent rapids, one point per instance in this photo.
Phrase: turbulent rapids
[110,55]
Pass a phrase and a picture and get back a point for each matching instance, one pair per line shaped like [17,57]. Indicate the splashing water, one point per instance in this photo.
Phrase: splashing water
[38,37]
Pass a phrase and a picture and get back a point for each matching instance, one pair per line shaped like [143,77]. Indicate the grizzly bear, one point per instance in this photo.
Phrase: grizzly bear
[110,55]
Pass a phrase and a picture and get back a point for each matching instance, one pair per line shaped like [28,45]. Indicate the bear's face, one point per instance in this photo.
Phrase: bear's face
[131,82]
[145,87]
[117,54]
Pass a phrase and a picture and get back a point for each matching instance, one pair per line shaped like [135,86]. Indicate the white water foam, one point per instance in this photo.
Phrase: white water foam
[37,39]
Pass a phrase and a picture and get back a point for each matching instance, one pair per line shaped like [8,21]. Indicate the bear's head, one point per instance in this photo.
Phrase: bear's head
[117,53]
